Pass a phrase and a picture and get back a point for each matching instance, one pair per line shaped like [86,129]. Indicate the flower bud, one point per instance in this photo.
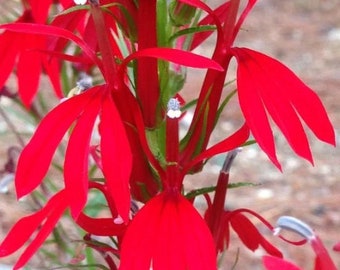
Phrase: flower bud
[181,14]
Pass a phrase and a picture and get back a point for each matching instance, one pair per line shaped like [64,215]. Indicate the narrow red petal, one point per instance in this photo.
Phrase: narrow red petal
[55,208]
[285,96]
[25,227]
[233,141]
[9,49]
[116,156]
[100,226]
[176,56]
[274,263]
[52,69]
[323,261]
[49,30]
[29,69]
[77,156]
[36,157]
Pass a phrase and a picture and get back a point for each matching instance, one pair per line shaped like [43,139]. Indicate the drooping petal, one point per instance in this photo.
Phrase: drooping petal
[29,68]
[47,217]
[168,233]
[77,156]
[250,236]
[267,86]
[9,48]
[275,263]
[36,157]
[116,156]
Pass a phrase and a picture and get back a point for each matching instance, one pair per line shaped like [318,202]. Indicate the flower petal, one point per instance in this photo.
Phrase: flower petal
[47,217]
[77,156]
[275,263]
[266,84]
[116,156]
[36,157]
[168,233]
[176,56]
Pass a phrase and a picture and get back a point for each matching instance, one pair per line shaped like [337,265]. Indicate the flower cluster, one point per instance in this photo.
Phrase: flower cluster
[126,121]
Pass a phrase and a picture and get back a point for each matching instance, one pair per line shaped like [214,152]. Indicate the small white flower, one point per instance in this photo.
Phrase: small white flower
[79,2]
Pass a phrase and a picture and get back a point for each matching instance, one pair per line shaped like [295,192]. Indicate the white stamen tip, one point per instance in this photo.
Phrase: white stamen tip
[174,108]
[118,220]
[80,2]
[85,82]
[294,225]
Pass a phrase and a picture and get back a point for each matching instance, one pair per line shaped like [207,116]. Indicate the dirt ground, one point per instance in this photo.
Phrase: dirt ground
[305,35]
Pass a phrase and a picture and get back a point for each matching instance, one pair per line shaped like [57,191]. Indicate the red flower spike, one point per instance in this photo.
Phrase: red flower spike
[36,157]
[275,263]
[47,218]
[168,233]
[116,156]
[264,84]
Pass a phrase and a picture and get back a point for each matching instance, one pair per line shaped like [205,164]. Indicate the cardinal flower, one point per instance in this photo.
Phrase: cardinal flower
[322,260]
[267,87]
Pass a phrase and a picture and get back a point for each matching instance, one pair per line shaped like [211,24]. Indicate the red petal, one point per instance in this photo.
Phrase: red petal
[36,157]
[188,243]
[100,226]
[263,82]
[323,261]
[274,263]
[116,156]
[47,217]
[230,143]
[29,68]
[9,49]
[49,30]
[176,56]
[337,247]
[77,157]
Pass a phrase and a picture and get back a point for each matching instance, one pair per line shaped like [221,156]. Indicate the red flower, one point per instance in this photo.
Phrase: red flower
[265,86]
[82,110]
[168,233]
